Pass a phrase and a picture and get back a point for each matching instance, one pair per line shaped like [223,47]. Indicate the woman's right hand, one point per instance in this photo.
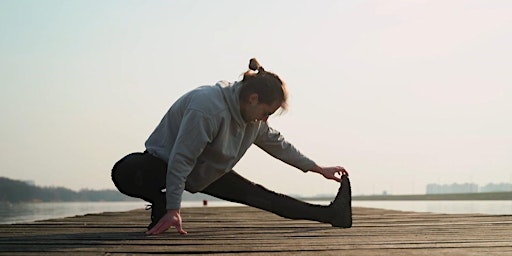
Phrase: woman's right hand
[171,219]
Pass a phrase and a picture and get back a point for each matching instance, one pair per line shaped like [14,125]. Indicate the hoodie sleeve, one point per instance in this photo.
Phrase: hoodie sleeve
[195,132]
[272,142]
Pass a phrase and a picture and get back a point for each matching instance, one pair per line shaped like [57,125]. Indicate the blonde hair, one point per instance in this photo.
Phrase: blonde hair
[269,87]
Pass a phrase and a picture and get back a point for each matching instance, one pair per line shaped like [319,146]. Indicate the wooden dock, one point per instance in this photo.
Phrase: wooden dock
[248,231]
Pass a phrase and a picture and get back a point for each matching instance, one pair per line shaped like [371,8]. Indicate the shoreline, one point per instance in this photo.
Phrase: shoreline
[28,212]
[494,196]
[427,197]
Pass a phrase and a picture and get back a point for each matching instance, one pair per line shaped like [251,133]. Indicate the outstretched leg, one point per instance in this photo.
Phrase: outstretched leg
[235,188]
[143,176]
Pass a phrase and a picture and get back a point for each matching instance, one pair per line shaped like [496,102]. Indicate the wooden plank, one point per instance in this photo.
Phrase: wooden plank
[235,230]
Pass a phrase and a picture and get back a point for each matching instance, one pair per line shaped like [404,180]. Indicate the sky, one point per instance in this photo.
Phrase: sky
[400,93]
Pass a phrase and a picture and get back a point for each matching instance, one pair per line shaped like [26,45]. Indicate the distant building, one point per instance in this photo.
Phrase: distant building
[501,187]
[454,188]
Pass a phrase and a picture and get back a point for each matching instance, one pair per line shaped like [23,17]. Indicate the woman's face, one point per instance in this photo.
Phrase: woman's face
[253,110]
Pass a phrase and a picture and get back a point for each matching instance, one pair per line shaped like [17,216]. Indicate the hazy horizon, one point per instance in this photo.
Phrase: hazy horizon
[401,93]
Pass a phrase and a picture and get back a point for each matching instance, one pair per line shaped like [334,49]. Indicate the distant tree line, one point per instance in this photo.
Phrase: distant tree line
[15,191]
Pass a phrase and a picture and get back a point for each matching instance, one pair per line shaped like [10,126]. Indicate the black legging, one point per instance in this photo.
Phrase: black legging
[143,175]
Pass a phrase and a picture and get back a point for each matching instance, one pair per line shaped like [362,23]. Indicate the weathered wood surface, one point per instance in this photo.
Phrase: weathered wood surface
[248,231]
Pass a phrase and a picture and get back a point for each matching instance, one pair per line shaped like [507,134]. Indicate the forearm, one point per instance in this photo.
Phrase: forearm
[175,185]
[272,142]
[316,169]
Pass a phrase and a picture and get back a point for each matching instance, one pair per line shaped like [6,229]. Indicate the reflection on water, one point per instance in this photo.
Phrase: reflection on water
[482,206]
[26,212]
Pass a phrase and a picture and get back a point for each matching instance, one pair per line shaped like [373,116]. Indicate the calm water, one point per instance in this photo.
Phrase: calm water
[26,212]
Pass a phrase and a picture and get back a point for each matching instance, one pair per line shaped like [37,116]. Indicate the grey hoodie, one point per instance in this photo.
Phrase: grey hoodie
[203,136]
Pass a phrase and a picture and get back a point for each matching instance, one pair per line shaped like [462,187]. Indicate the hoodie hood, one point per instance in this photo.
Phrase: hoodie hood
[231,92]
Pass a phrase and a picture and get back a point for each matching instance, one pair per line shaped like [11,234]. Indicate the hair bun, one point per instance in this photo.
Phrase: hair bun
[255,65]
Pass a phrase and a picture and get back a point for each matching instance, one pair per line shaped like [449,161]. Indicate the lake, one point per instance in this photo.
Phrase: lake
[26,212]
